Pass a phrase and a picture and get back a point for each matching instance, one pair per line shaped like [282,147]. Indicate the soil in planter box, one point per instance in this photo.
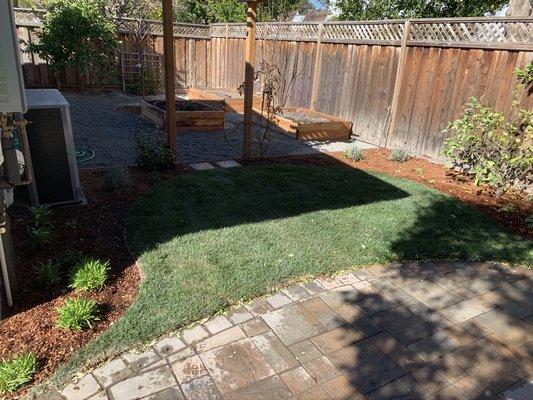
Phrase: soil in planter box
[182,105]
[301,117]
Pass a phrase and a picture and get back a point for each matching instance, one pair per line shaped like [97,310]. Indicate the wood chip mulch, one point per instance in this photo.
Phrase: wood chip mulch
[97,230]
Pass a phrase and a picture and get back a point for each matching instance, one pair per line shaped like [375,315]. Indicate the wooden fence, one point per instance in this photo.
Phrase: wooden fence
[399,82]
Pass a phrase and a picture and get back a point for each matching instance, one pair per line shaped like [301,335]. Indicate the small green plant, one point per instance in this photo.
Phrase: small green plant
[144,83]
[420,170]
[40,237]
[399,155]
[529,221]
[48,273]
[17,371]
[354,153]
[116,178]
[77,314]
[508,208]
[152,150]
[90,274]
[42,216]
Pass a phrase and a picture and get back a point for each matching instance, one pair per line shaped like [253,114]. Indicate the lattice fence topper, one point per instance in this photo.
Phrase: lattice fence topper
[485,31]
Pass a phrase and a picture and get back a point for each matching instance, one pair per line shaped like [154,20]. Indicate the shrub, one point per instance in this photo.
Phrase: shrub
[76,34]
[144,83]
[42,216]
[90,274]
[40,236]
[152,150]
[77,314]
[491,147]
[354,153]
[116,178]
[17,371]
[399,155]
[48,273]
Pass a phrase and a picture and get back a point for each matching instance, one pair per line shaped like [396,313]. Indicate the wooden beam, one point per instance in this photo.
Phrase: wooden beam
[170,76]
[251,20]
[318,68]
[398,83]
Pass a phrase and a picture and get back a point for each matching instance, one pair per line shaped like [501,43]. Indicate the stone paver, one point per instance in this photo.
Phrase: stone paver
[436,330]
[228,164]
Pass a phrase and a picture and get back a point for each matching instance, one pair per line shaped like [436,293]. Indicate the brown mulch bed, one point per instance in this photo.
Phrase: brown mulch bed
[510,209]
[97,230]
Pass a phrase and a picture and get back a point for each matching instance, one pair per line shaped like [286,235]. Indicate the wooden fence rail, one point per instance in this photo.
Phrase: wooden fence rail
[399,82]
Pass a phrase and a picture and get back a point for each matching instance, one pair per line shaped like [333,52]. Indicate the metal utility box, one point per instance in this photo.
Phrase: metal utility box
[11,82]
[52,151]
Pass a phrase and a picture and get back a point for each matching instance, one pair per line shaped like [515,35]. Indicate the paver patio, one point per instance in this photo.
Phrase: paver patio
[437,330]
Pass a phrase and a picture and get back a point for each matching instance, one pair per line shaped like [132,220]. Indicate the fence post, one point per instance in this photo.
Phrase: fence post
[318,67]
[398,82]
[226,40]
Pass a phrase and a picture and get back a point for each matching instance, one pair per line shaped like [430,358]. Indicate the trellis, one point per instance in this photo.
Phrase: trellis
[129,65]
[494,32]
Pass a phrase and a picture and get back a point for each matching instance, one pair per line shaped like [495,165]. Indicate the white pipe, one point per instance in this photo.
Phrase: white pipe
[3,264]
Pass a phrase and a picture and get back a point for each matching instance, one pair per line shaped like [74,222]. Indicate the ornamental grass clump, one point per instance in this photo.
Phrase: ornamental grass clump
[89,275]
[399,155]
[16,372]
[354,153]
[77,314]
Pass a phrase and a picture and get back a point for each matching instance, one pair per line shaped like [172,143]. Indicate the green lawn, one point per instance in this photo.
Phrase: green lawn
[209,239]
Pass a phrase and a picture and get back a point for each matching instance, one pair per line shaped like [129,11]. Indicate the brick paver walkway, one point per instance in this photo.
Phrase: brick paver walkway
[438,330]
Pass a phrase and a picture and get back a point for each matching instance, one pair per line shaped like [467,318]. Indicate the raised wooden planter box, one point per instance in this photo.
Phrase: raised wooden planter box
[304,124]
[190,115]
[222,99]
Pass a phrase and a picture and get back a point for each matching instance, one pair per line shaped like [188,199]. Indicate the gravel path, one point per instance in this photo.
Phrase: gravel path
[99,126]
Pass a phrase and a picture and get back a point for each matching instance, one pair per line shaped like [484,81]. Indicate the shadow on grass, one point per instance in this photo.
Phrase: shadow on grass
[418,341]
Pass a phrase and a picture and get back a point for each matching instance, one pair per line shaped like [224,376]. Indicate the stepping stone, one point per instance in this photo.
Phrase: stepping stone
[201,166]
[228,164]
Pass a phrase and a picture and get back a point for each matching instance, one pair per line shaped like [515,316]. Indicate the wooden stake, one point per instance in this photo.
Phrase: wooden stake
[170,76]
[398,82]
[251,20]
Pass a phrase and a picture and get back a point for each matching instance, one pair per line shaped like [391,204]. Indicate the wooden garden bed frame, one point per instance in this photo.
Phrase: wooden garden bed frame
[202,120]
[230,101]
[334,129]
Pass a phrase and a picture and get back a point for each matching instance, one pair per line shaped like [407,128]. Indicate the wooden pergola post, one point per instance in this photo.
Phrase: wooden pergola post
[249,72]
[170,76]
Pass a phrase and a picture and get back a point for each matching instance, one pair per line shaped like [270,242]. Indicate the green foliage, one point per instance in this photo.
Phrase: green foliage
[40,236]
[17,371]
[48,273]
[76,34]
[354,153]
[145,83]
[399,155]
[390,9]
[116,178]
[77,314]
[234,11]
[525,75]
[152,150]
[42,216]
[493,148]
[89,275]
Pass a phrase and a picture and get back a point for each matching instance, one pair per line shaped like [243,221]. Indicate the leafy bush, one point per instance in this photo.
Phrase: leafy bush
[145,83]
[152,150]
[77,314]
[353,152]
[90,274]
[42,216]
[17,371]
[40,236]
[116,178]
[76,34]
[491,147]
[48,273]
[399,155]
